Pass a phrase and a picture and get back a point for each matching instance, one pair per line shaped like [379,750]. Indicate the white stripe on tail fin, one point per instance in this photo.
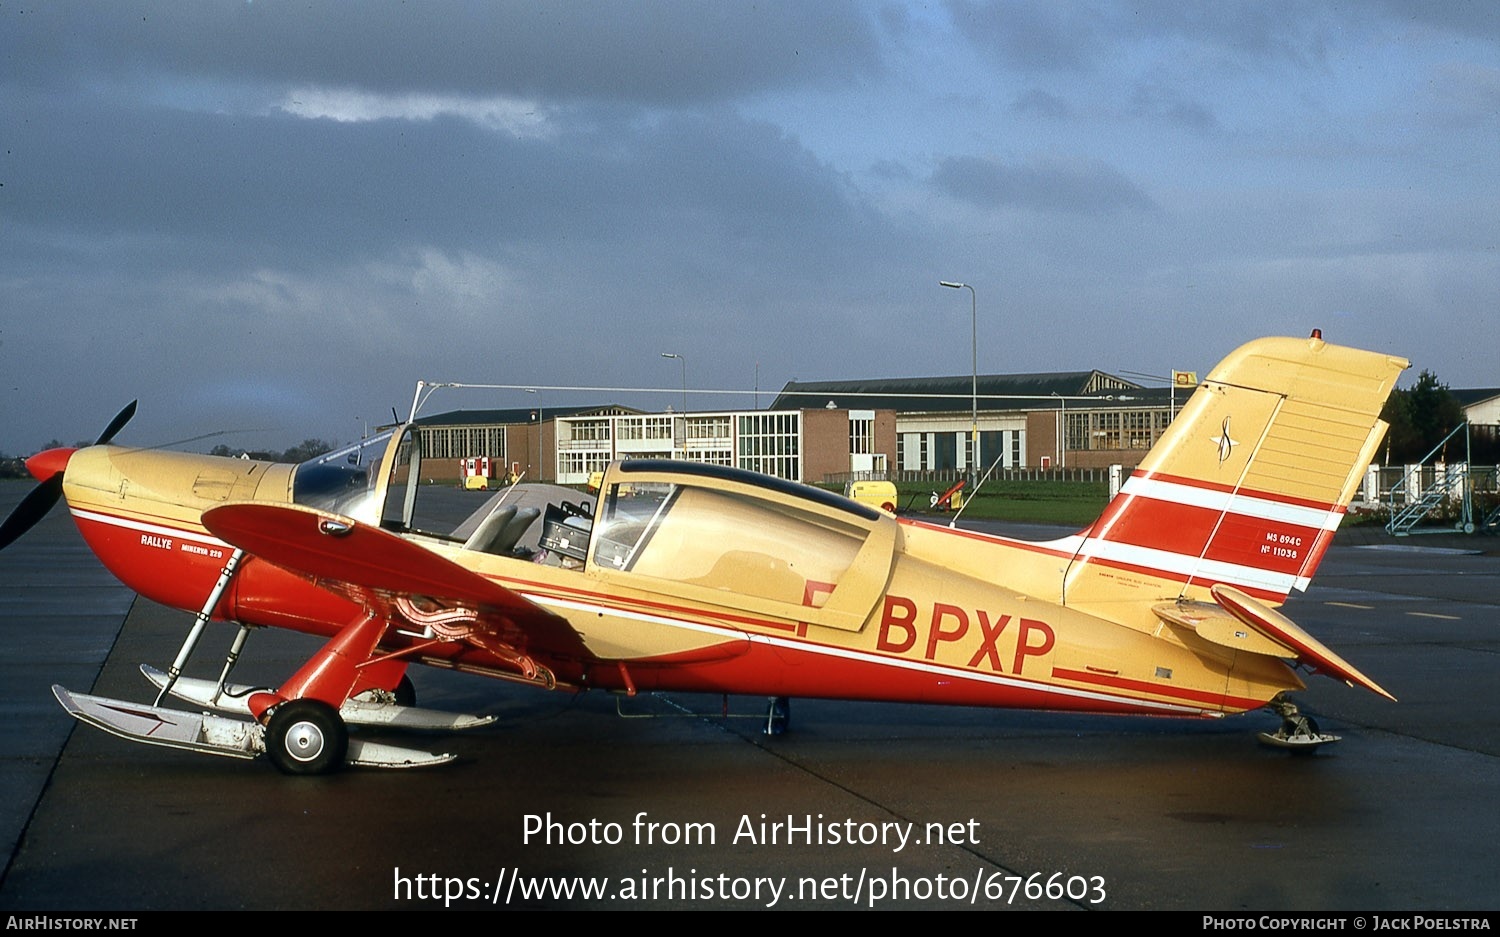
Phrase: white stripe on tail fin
[1247,485]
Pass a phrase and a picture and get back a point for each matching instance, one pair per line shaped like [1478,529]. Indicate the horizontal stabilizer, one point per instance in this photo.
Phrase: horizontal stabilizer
[1214,624]
[1282,630]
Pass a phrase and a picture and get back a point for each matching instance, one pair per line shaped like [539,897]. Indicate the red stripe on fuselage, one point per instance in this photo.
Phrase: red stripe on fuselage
[816,673]
[1233,703]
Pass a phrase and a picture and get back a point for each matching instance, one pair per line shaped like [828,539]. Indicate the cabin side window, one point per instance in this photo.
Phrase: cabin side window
[725,541]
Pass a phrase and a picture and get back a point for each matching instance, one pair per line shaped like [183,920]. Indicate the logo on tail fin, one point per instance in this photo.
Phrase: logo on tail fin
[1226,445]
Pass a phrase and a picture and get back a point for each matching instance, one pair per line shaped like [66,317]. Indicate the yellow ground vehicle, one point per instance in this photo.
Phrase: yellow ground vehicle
[877,494]
[476,473]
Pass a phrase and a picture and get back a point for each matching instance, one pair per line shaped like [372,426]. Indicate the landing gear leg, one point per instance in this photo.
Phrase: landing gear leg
[1298,732]
[304,732]
[778,716]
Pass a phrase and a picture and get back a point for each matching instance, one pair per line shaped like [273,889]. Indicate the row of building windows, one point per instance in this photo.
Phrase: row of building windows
[643,427]
[587,430]
[582,463]
[461,442]
[952,450]
[1114,429]
[647,427]
[711,427]
[768,442]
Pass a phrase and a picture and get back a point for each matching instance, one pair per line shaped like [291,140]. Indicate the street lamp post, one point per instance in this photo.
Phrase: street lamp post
[1060,431]
[682,361]
[974,387]
[539,422]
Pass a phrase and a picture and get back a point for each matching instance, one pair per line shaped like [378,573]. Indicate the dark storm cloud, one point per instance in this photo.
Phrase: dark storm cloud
[269,187]
[226,191]
[669,51]
[1071,187]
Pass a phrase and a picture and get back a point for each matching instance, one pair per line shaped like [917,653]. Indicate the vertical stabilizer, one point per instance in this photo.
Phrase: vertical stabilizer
[1247,485]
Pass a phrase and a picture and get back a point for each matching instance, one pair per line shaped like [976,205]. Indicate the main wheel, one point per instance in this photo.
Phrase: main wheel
[306,736]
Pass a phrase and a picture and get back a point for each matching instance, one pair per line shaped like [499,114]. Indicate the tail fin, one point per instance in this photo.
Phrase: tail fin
[1247,485]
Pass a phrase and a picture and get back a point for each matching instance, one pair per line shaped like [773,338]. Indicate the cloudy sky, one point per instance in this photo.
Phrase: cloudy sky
[272,218]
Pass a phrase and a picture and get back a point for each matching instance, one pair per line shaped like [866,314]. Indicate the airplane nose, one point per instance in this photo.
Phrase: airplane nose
[49,462]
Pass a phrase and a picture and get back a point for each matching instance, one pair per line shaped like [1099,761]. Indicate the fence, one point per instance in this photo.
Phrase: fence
[946,477]
[1485,479]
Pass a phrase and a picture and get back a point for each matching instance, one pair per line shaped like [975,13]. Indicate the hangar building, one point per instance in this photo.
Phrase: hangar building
[818,431]
[1072,419]
[566,444]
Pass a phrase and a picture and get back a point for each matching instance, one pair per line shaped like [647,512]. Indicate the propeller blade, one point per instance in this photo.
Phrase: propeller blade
[117,424]
[32,508]
[40,500]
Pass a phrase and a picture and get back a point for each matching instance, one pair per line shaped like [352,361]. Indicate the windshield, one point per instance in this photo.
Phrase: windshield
[343,481]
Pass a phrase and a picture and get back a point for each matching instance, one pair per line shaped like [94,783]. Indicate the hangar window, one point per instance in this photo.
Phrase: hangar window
[861,435]
[1114,429]
[769,443]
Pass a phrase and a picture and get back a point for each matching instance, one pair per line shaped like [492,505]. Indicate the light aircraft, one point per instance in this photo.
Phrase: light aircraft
[693,577]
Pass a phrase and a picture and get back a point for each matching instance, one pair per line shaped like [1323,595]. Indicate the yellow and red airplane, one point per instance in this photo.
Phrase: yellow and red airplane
[693,577]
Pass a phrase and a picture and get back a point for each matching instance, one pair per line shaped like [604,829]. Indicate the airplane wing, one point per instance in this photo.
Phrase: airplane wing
[398,578]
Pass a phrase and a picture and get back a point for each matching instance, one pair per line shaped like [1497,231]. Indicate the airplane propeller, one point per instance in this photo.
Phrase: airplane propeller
[40,499]
[117,424]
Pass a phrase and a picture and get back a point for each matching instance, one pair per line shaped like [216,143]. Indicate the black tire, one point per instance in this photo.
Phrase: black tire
[405,693]
[306,736]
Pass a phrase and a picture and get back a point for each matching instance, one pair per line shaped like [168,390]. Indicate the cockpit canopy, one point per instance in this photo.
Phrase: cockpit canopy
[701,532]
[704,531]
